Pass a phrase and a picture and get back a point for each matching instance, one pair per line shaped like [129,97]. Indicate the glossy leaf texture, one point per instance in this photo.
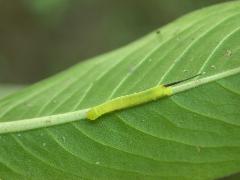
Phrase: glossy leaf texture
[191,135]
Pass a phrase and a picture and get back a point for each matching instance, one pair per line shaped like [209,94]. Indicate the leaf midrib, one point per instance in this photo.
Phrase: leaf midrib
[52,120]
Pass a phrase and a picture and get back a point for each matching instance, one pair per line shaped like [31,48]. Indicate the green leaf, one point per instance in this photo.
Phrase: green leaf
[191,135]
[8,89]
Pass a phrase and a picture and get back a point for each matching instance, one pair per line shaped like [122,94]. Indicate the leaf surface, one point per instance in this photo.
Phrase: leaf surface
[191,135]
[6,89]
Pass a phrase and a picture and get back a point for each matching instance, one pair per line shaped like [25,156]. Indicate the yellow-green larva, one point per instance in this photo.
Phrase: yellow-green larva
[129,101]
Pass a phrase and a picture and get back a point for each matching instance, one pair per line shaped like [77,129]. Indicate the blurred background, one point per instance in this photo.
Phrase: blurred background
[39,38]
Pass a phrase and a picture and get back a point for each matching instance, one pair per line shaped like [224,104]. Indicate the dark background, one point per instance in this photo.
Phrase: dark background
[39,38]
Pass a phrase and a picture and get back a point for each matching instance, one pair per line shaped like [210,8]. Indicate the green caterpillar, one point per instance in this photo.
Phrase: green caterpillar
[129,101]
[134,99]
